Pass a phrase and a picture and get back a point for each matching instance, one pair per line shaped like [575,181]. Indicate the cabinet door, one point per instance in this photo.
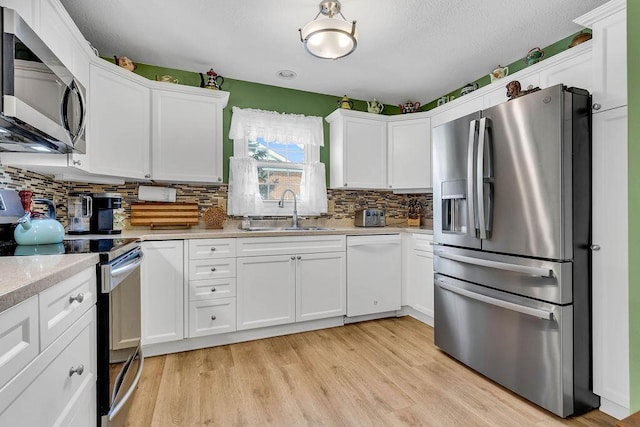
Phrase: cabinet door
[186,137]
[610,61]
[576,72]
[409,154]
[266,293]
[119,124]
[321,285]
[365,153]
[420,281]
[611,261]
[162,291]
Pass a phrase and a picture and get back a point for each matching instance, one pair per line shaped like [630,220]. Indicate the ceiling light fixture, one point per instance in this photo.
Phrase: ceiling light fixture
[329,37]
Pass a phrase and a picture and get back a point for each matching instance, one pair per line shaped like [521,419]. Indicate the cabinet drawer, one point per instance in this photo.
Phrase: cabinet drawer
[258,246]
[422,242]
[200,269]
[47,383]
[212,248]
[210,317]
[18,338]
[64,303]
[212,288]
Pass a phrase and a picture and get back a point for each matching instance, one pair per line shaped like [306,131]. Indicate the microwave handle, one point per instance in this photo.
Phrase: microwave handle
[73,87]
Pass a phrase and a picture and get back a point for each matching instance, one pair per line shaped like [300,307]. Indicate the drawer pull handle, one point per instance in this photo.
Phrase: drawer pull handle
[213,289]
[79,370]
[213,269]
[213,249]
[79,298]
[213,317]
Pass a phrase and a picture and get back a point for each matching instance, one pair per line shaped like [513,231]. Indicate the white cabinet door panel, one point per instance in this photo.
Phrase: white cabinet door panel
[409,154]
[321,285]
[266,293]
[162,291]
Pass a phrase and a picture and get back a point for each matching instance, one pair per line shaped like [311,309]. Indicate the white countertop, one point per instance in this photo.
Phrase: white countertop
[21,277]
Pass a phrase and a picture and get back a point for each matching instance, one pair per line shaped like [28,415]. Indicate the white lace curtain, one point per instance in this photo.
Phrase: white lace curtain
[244,192]
[248,123]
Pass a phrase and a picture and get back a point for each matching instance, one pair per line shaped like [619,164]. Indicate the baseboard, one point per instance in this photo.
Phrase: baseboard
[613,409]
[426,318]
[188,344]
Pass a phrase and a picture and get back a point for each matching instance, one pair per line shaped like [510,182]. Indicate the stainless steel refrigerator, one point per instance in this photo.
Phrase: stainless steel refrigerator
[512,233]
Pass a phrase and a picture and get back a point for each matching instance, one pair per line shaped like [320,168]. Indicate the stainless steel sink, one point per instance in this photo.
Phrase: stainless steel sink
[288,229]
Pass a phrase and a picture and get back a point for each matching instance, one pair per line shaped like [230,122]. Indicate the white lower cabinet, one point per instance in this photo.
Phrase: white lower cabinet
[60,382]
[321,285]
[418,275]
[266,291]
[211,293]
[305,281]
[212,316]
[162,291]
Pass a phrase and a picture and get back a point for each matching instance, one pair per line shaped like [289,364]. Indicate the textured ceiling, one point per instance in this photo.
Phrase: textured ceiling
[407,49]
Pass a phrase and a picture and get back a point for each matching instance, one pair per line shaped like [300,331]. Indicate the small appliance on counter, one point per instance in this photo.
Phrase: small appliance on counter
[79,211]
[32,228]
[104,204]
[370,218]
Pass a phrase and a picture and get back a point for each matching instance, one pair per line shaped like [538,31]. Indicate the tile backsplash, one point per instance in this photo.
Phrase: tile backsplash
[342,203]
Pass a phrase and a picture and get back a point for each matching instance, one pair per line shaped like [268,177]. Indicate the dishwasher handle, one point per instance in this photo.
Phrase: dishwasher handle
[529,311]
[383,239]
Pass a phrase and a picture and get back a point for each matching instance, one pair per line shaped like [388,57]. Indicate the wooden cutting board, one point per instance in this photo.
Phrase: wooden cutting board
[155,214]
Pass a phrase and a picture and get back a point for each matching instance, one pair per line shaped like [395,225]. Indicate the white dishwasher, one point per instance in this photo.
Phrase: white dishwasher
[373,274]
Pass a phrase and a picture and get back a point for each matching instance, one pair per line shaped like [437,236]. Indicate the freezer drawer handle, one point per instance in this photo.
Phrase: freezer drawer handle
[535,312]
[534,271]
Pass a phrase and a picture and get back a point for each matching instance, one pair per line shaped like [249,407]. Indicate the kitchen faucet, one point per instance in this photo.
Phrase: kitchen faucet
[295,206]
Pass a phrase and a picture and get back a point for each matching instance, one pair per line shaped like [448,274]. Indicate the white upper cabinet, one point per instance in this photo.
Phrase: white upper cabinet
[358,150]
[186,134]
[409,163]
[118,123]
[576,71]
[609,26]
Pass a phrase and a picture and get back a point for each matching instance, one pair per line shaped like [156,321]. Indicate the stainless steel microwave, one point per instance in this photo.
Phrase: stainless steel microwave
[43,106]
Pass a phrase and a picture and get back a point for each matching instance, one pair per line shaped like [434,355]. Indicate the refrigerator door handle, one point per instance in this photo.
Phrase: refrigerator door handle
[471,227]
[524,269]
[530,311]
[480,178]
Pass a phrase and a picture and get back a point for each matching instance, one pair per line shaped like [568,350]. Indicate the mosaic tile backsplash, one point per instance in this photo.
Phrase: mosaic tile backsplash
[342,203]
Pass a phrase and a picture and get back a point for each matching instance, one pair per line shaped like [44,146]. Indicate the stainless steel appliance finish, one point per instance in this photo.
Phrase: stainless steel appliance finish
[119,304]
[512,208]
[369,218]
[43,106]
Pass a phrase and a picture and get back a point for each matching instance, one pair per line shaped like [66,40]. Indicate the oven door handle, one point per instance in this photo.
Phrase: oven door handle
[530,311]
[128,266]
[127,395]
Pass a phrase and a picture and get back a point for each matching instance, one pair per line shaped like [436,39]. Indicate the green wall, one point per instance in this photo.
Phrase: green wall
[633,73]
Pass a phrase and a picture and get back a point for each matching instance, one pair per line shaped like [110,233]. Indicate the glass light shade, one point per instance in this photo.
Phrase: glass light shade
[329,38]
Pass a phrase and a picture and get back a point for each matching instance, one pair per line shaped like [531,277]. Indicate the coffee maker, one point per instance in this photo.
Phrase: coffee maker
[79,212]
[103,206]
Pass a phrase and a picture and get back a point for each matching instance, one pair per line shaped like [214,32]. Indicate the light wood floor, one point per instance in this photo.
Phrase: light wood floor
[377,373]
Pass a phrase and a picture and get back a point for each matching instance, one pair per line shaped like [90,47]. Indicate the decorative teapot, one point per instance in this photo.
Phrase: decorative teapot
[409,107]
[499,73]
[534,55]
[32,231]
[167,79]
[468,88]
[345,103]
[374,107]
[214,80]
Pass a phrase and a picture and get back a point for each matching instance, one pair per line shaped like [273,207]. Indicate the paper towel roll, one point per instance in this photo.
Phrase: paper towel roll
[156,194]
